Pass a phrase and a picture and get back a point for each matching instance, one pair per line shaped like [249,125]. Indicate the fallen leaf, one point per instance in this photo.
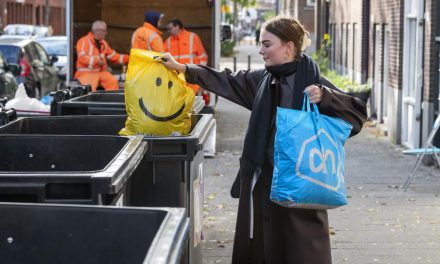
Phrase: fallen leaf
[211,196]
[211,218]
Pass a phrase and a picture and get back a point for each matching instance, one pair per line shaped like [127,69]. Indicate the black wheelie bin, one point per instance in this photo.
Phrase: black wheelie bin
[103,103]
[68,169]
[171,171]
[44,233]
[7,115]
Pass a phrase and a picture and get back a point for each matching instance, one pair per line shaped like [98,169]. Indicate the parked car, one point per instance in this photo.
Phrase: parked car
[57,46]
[8,84]
[27,30]
[42,77]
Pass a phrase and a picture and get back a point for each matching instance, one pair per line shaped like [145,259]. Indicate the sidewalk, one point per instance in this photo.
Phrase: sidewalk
[381,223]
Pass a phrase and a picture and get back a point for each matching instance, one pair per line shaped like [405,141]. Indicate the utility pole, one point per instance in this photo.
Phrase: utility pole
[46,13]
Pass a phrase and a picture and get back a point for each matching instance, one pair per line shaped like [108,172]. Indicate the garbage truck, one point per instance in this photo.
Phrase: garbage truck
[123,17]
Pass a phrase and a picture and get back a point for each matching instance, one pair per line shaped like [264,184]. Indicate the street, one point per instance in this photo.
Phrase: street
[63,59]
[381,223]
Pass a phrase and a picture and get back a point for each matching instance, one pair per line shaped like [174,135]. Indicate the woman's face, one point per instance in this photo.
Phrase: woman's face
[273,50]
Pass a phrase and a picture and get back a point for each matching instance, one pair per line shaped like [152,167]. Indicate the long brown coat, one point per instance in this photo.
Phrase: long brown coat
[280,235]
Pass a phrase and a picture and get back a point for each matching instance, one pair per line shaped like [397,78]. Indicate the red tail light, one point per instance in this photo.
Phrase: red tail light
[205,96]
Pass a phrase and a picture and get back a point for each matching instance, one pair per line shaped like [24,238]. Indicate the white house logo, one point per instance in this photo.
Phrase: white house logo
[324,165]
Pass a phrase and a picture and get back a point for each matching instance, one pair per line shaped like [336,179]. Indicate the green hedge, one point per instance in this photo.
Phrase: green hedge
[343,82]
[227,48]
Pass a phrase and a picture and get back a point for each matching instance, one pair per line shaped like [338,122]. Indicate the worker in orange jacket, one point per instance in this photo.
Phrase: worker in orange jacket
[93,52]
[149,37]
[185,46]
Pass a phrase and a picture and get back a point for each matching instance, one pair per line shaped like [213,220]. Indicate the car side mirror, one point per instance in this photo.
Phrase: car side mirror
[15,69]
[53,59]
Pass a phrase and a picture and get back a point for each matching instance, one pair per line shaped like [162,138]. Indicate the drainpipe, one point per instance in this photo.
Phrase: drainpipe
[366,37]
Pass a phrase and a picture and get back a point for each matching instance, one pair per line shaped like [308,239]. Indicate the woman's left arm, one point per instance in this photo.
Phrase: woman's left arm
[336,103]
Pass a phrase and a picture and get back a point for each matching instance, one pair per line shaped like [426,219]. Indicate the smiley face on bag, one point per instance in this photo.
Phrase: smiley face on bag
[166,92]
[157,100]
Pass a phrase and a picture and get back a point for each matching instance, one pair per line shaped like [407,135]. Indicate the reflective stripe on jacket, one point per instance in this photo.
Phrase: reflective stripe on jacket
[147,37]
[89,55]
[187,48]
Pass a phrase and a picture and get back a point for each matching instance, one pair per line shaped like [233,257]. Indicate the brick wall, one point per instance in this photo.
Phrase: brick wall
[431,66]
[32,12]
[346,18]
[306,15]
[388,13]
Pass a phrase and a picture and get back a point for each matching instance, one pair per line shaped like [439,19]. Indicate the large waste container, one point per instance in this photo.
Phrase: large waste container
[68,169]
[198,105]
[171,171]
[103,103]
[40,234]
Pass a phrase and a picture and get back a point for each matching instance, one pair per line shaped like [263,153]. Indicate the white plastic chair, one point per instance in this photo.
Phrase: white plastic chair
[428,149]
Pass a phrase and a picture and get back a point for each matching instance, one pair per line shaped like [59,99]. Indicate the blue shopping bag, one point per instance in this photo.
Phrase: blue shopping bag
[309,159]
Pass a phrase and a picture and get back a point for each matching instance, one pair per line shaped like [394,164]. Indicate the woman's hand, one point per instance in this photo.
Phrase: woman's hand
[315,93]
[169,61]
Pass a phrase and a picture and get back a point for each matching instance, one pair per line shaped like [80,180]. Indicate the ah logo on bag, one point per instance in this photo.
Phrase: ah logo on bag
[319,162]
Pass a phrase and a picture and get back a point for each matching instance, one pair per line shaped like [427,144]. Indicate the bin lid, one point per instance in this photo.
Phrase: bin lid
[105,161]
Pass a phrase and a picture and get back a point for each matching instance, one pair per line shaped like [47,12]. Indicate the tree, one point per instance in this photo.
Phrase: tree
[242,3]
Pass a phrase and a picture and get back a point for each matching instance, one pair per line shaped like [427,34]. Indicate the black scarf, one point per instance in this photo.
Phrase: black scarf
[260,124]
[283,70]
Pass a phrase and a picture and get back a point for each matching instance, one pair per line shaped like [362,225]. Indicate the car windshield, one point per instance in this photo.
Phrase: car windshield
[54,47]
[10,52]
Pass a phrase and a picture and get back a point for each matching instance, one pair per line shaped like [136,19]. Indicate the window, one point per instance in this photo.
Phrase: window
[311,3]
[342,49]
[355,50]
[42,55]
[332,48]
[11,53]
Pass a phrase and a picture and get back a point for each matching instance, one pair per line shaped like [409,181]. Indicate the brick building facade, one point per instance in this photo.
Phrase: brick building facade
[304,11]
[392,46]
[348,31]
[431,67]
[33,12]
[385,48]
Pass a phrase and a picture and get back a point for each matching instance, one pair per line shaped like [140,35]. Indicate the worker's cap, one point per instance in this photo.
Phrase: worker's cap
[152,17]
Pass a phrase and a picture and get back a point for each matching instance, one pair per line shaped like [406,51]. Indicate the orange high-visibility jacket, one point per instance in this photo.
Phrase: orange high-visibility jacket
[89,55]
[147,37]
[187,48]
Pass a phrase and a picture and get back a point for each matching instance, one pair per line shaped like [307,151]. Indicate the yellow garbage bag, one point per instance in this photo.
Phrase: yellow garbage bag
[157,100]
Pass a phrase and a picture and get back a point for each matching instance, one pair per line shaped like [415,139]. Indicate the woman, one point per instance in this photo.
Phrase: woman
[265,231]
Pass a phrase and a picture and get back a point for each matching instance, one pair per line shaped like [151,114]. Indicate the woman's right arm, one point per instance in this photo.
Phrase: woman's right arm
[239,87]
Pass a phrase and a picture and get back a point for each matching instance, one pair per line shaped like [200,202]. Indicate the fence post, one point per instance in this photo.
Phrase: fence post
[235,63]
[249,61]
